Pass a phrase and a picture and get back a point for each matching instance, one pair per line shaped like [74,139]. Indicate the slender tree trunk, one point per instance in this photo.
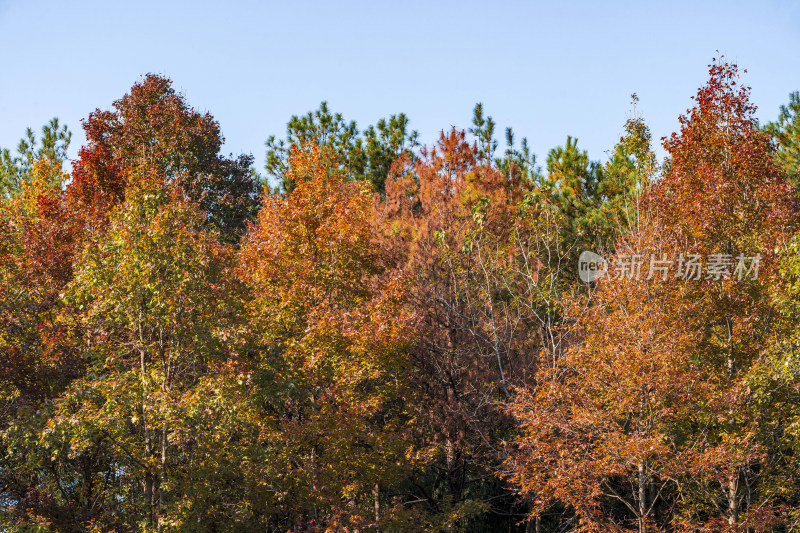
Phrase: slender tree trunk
[733,499]
[454,433]
[376,493]
[149,480]
[642,498]
[162,475]
[534,525]
[450,458]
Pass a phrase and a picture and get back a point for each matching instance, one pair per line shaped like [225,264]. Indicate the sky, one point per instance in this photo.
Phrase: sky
[547,69]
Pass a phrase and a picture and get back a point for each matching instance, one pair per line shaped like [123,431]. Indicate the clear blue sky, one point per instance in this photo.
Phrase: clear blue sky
[548,69]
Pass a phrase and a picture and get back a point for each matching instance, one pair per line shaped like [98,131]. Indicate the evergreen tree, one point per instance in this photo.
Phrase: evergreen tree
[483,130]
[572,185]
[53,145]
[519,164]
[364,157]
[786,132]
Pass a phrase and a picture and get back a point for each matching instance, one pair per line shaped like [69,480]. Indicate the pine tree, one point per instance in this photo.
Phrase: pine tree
[786,132]
[14,169]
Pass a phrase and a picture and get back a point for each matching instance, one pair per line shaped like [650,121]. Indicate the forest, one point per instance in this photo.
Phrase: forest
[373,333]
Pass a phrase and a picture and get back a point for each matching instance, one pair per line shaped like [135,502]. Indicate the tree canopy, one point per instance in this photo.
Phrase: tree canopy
[401,337]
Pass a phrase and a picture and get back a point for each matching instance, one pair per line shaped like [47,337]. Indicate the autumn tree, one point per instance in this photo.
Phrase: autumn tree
[485,267]
[153,125]
[750,211]
[609,431]
[38,353]
[330,364]
[603,432]
[155,293]
[30,277]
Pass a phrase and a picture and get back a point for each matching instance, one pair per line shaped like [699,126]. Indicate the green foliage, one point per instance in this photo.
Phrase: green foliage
[786,132]
[625,178]
[483,130]
[519,165]
[368,156]
[53,145]
[332,332]
[154,295]
[600,202]
[572,185]
[178,353]
[154,126]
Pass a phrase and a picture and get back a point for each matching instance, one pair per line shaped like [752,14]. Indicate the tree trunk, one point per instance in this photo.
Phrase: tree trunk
[642,498]
[376,493]
[534,525]
[149,479]
[733,499]
[162,475]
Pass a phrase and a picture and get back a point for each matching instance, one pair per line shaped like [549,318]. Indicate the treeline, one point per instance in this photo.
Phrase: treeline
[395,337]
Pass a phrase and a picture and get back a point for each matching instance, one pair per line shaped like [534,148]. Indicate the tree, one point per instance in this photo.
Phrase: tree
[363,157]
[385,143]
[649,420]
[38,353]
[153,125]
[599,427]
[483,130]
[598,201]
[626,177]
[14,169]
[786,133]
[572,184]
[723,194]
[331,329]
[155,292]
[484,265]
[30,282]
[519,165]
